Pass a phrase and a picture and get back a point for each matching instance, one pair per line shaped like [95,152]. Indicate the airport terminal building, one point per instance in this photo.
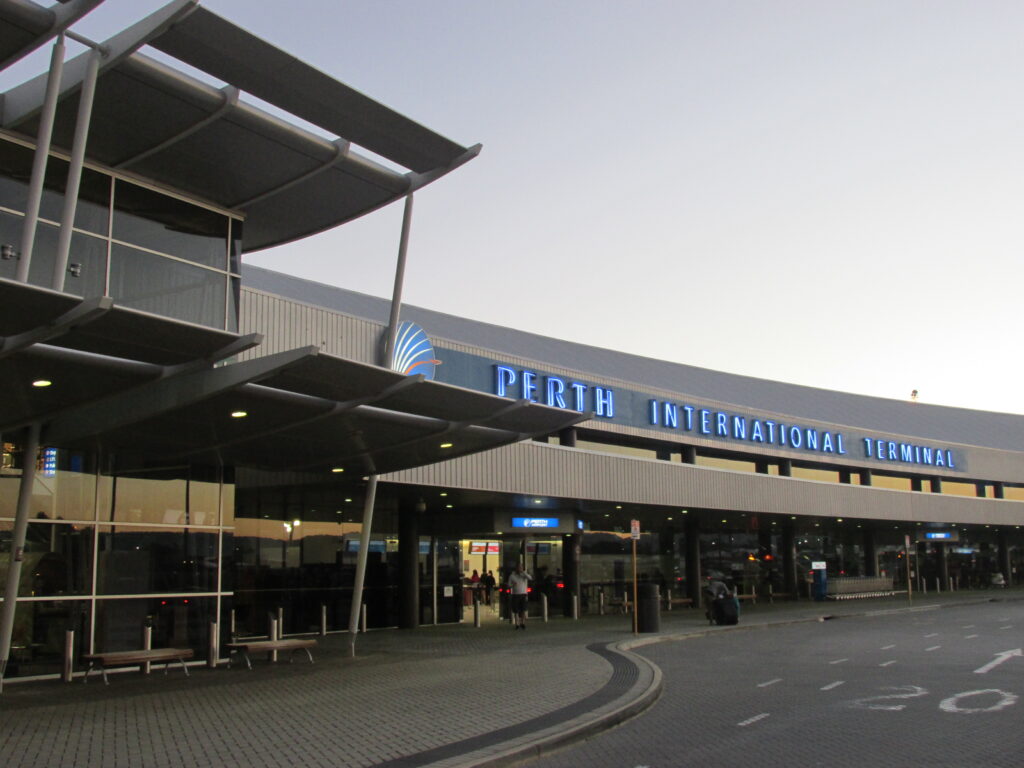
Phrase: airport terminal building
[189,443]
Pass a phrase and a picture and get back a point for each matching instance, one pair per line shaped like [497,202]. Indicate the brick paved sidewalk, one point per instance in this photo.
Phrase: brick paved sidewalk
[447,695]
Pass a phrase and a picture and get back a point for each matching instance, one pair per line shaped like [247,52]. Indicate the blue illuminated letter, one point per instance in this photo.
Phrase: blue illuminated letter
[604,402]
[578,391]
[739,427]
[555,389]
[949,459]
[826,443]
[771,431]
[529,386]
[654,412]
[505,377]
[926,455]
[688,410]
[722,421]
[672,415]
[906,452]
[705,421]
[796,437]
[839,442]
[867,447]
[812,439]
[755,432]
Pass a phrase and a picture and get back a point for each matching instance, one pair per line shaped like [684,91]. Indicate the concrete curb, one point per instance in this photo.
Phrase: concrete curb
[644,692]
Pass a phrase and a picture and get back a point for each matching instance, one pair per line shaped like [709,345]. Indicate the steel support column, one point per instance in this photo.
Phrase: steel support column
[691,537]
[7,611]
[371,487]
[67,219]
[43,138]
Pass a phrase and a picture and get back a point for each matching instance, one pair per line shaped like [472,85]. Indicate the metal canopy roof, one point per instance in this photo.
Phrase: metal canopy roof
[24,25]
[158,123]
[305,410]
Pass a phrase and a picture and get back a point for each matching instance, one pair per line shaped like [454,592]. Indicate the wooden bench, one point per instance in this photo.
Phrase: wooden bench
[142,657]
[271,647]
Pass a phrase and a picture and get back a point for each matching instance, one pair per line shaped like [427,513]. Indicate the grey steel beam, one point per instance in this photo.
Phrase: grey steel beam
[59,17]
[158,397]
[236,347]
[229,96]
[328,411]
[341,152]
[82,314]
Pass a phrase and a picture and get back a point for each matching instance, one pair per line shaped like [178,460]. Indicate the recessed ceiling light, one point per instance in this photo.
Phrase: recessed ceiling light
[444,494]
[239,414]
[449,506]
[538,501]
[446,445]
[41,383]
[337,469]
[618,506]
[348,501]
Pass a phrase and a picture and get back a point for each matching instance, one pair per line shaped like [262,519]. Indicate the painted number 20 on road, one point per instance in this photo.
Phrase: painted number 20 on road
[965,703]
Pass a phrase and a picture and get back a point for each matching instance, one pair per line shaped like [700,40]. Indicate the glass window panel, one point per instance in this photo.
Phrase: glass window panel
[622,450]
[821,475]
[58,559]
[234,289]
[166,287]
[228,507]
[165,224]
[1013,493]
[40,630]
[159,497]
[235,264]
[87,251]
[959,489]
[203,503]
[177,622]
[141,559]
[731,464]
[93,193]
[890,482]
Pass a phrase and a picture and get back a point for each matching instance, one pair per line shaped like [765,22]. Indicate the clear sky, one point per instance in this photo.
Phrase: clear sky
[827,193]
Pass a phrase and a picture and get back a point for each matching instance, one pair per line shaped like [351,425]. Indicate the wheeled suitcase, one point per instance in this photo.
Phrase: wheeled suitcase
[724,610]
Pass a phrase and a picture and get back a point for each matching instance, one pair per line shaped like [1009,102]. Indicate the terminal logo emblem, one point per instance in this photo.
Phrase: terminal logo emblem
[413,351]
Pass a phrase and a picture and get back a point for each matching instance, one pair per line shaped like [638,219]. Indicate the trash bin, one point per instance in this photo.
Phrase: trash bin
[819,587]
[648,615]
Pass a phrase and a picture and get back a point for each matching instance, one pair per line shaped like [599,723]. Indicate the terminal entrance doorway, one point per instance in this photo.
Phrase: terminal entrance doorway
[495,557]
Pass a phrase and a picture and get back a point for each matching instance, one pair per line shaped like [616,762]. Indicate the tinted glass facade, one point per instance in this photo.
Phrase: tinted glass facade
[147,249]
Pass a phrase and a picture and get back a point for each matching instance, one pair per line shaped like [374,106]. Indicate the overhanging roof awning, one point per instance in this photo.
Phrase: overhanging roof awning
[155,121]
[25,25]
[304,410]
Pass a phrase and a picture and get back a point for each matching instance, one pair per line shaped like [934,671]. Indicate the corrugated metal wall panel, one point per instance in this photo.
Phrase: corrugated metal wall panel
[547,470]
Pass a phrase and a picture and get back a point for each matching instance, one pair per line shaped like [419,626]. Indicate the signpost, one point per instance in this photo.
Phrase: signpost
[634,535]
[906,544]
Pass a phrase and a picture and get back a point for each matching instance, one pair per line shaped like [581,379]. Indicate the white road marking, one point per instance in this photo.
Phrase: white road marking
[887,647]
[769,682]
[933,634]
[830,686]
[838,661]
[967,626]
[887,663]
[970,637]
[1008,626]
[933,648]
[1005,700]
[999,659]
[752,720]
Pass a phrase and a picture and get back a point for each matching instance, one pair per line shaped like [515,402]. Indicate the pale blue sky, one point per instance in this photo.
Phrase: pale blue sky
[828,193]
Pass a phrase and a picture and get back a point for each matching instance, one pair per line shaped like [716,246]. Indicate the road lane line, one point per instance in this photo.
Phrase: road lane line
[838,661]
[933,634]
[887,663]
[752,720]
[887,647]
[969,637]
[769,682]
[830,686]
[1008,626]
[933,648]
[967,626]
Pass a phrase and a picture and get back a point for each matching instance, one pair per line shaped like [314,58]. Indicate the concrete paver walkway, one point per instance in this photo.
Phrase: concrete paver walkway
[450,695]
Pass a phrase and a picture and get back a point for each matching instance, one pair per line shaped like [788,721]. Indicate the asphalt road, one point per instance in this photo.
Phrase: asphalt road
[941,687]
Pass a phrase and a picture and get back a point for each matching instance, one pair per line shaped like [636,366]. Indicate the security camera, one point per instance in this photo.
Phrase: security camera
[7,252]
[75,269]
